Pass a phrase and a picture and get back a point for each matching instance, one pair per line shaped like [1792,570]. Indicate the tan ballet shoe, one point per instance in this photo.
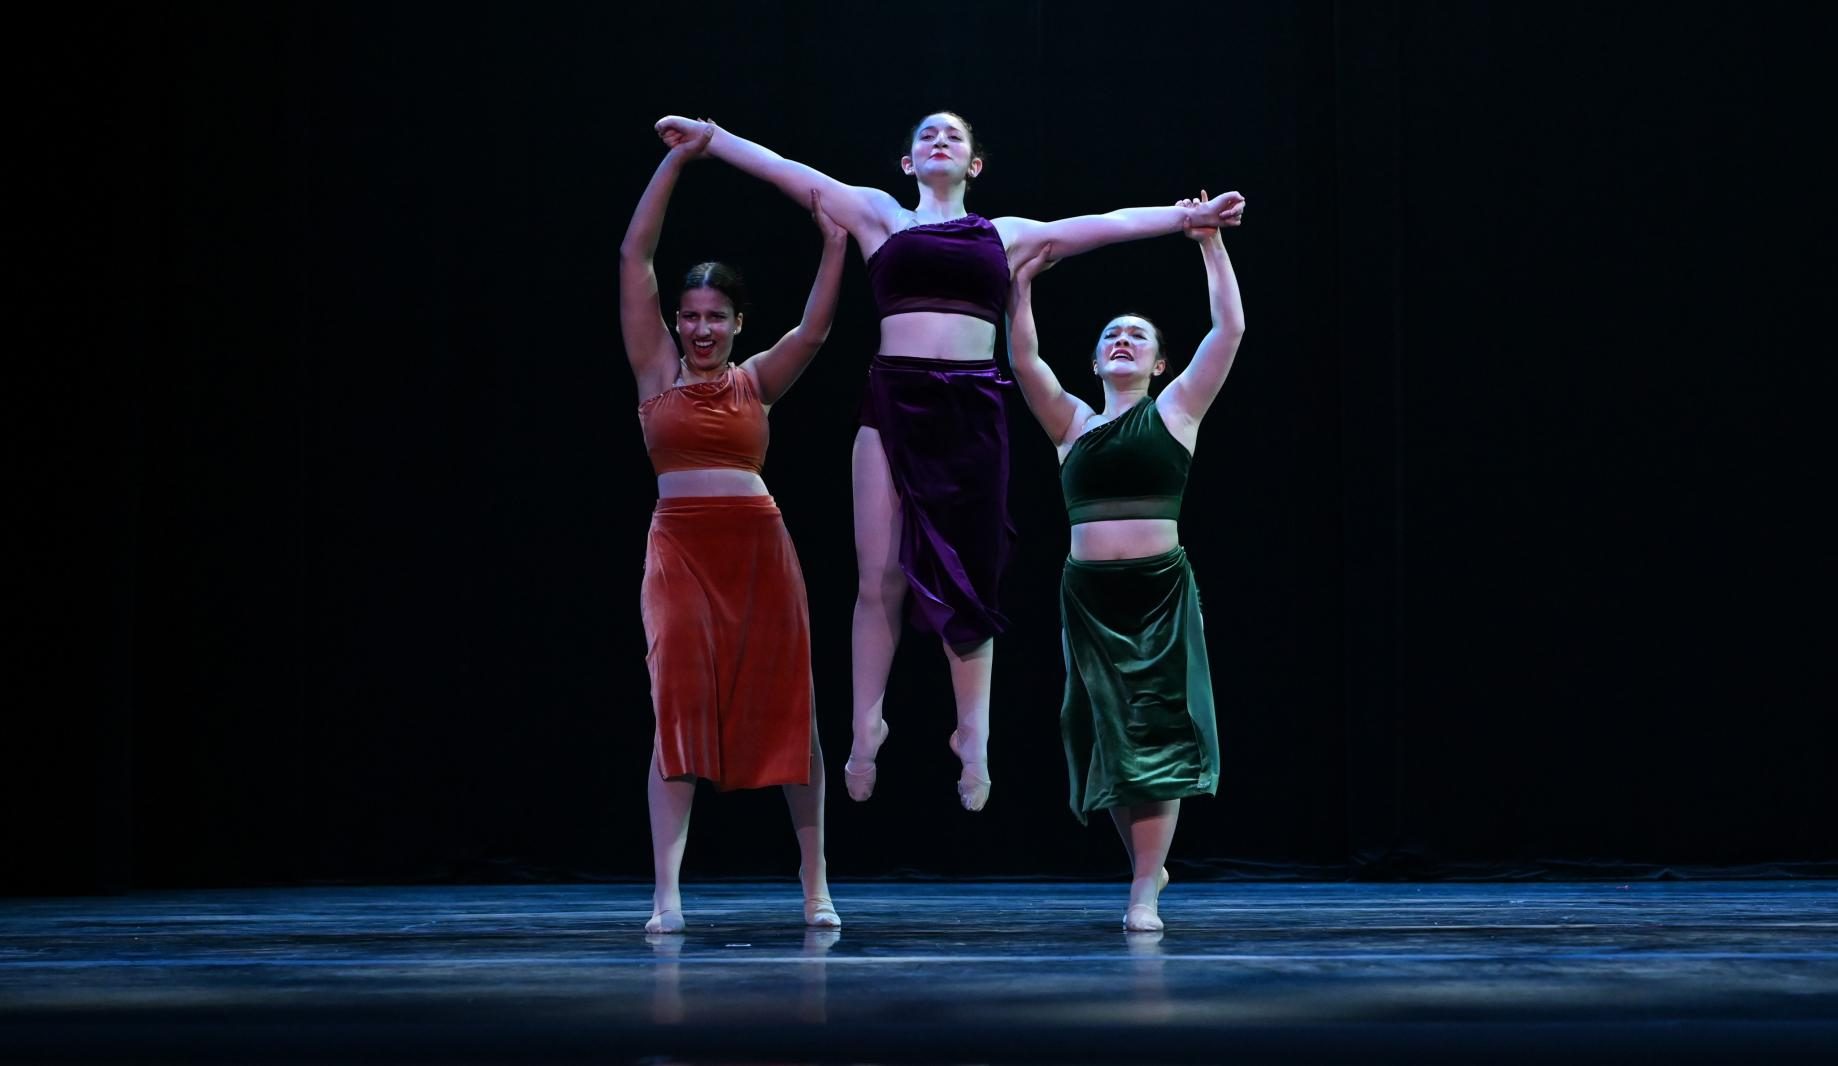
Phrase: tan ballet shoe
[973,783]
[860,782]
[1142,918]
[820,913]
[666,922]
[973,786]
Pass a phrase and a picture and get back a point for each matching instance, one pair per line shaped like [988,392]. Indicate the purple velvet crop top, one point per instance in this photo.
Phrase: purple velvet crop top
[958,267]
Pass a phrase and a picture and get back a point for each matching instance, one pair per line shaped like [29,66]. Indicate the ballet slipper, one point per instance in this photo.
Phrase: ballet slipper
[666,922]
[820,913]
[1142,918]
[1146,917]
[860,783]
[973,786]
[973,783]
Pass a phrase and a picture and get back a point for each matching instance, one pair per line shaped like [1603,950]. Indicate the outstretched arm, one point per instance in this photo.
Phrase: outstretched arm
[648,345]
[866,213]
[1058,411]
[778,366]
[1071,236]
[1188,396]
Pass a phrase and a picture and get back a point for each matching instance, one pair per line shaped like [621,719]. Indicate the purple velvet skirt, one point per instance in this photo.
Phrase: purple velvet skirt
[944,427]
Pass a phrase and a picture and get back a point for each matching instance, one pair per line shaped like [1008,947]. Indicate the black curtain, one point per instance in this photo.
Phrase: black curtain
[330,502]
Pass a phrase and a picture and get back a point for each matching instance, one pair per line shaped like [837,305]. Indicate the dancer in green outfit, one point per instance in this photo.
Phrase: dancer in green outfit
[1137,719]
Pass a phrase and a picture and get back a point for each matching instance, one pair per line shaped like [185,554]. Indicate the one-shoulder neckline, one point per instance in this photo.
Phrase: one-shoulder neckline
[1150,400]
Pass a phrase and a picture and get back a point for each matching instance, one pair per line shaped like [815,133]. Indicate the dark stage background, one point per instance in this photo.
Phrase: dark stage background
[328,501]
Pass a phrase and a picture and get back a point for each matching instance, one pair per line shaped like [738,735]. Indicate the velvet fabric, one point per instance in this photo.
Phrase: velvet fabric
[727,629]
[957,267]
[1129,467]
[944,427]
[703,425]
[1137,718]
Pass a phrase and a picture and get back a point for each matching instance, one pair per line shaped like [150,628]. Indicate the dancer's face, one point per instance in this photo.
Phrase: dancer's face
[1128,351]
[942,148]
[706,325]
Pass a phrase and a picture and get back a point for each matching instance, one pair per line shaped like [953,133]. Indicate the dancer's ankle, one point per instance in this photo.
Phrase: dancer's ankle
[1147,891]
[865,744]
[666,912]
[969,745]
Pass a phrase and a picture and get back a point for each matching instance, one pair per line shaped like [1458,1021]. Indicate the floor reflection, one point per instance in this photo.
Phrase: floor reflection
[667,977]
[924,971]
[814,975]
[1148,976]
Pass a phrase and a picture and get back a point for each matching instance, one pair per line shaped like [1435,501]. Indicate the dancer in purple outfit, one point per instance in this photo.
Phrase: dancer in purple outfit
[930,466]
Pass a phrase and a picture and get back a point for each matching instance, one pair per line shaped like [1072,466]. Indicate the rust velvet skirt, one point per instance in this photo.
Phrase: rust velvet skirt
[727,631]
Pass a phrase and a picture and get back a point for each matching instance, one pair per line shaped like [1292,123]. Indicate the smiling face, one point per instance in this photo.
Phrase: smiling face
[942,150]
[1129,351]
[706,325]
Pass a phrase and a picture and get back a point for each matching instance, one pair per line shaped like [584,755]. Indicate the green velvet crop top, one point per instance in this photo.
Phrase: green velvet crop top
[1129,467]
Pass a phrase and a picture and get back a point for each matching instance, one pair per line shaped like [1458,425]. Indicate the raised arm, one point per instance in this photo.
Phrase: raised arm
[1082,233]
[778,366]
[648,344]
[1058,411]
[868,214]
[1188,396]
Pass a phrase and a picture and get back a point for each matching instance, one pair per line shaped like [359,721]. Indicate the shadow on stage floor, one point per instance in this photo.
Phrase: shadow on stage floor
[947,972]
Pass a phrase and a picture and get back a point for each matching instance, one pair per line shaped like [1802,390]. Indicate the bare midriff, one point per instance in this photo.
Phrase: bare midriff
[938,335]
[1124,538]
[711,481]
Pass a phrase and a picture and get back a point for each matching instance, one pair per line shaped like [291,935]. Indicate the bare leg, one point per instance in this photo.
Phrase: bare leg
[1119,816]
[1147,830]
[806,803]
[669,802]
[970,668]
[880,593]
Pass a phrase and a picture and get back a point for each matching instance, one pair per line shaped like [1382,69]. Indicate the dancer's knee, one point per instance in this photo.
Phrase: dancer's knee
[881,586]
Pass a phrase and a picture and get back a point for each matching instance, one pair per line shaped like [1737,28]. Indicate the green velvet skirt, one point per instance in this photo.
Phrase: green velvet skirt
[1137,718]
